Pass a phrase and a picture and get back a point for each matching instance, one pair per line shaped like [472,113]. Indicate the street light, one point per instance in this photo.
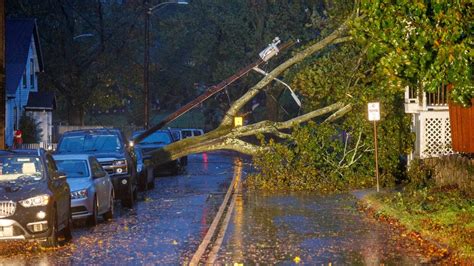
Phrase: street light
[146,60]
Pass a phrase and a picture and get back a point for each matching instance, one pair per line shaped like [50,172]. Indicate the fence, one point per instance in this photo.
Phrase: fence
[33,146]
[454,170]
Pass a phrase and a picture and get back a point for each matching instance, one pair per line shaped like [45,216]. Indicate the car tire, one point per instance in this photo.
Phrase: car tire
[67,231]
[93,219]
[177,168]
[52,240]
[130,200]
[109,215]
[151,185]
[142,182]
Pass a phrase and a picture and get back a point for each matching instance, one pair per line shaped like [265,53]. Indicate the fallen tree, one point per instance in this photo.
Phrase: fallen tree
[228,137]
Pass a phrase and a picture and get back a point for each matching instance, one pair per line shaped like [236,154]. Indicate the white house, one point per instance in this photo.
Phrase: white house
[430,122]
[23,62]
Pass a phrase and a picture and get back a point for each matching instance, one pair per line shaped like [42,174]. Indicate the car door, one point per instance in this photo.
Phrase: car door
[100,183]
[60,189]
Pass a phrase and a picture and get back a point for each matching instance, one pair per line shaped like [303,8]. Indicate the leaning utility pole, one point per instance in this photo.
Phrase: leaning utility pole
[3,89]
[272,50]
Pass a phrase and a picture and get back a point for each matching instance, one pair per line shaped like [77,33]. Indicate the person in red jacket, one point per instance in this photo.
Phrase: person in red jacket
[17,139]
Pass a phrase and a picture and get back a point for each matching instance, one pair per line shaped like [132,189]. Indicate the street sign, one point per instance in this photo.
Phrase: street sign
[374,111]
[374,115]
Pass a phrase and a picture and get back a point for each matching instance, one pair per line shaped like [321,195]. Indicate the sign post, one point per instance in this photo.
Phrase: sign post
[374,115]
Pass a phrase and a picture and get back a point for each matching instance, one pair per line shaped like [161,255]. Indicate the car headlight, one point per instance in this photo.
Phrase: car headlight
[41,200]
[79,194]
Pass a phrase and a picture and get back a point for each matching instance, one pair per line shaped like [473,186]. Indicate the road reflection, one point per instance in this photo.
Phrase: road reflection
[285,228]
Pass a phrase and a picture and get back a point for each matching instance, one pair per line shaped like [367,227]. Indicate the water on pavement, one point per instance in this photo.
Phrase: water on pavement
[310,229]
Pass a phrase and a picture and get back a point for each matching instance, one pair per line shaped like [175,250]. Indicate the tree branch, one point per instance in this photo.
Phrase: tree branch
[252,92]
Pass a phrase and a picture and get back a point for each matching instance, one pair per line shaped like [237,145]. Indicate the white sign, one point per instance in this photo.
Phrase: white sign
[374,111]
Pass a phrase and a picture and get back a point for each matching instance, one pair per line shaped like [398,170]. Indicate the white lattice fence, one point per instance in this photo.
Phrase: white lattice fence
[434,134]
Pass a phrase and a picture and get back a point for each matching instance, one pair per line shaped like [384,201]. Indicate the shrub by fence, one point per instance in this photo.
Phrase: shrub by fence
[453,170]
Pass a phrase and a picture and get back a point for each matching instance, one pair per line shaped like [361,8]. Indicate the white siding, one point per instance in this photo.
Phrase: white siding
[21,96]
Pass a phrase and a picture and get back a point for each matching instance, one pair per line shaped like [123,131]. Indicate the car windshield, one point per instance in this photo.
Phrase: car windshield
[155,138]
[90,143]
[20,168]
[73,168]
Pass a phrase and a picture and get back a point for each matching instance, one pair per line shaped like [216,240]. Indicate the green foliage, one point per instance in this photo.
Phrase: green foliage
[31,132]
[344,74]
[419,175]
[321,158]
[421,43]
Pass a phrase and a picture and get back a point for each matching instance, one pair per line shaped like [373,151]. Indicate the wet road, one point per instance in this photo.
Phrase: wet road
[165,227]
[312,230]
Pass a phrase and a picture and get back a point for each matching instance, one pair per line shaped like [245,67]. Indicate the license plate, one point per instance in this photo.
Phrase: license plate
[6,230]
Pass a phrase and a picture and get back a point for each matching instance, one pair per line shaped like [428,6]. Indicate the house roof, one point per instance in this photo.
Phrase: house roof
[41,101]
[18,39]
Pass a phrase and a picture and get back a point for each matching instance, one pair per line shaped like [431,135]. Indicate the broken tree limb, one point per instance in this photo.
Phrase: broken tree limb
[226,137]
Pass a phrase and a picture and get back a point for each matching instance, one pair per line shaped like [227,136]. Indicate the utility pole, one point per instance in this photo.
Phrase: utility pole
[146,68]
[265,55]
[3,89]
[146,60]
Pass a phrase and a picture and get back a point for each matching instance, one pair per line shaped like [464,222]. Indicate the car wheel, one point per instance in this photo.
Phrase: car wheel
[52,240]
[151,185]
[93,219]
[67,232]
[177,168]
[130,200]
[109,215]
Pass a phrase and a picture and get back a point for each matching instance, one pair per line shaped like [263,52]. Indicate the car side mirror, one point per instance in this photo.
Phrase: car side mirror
[100,174]
[59,176]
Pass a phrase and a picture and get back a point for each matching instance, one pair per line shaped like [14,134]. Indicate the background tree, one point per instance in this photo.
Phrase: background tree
[89,50]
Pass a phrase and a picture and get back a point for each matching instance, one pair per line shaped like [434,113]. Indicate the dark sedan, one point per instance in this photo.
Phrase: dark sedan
[34,198]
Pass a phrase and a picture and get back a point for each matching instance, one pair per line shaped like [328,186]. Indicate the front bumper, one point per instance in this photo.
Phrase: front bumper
[123,184]
[81,208]
[12,230]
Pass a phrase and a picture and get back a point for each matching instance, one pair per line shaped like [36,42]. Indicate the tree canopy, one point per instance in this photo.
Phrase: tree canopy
[422,43]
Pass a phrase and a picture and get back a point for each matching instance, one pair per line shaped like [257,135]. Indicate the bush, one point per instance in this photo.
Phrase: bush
[320,158]
[419,175]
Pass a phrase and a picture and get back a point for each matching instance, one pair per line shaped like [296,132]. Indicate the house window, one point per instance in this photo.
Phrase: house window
[32,73]
[24,80]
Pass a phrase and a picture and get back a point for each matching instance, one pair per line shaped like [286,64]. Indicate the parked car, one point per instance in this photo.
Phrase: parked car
[145,173]
[157,140]
[109,147]
[92,192]
[191,132]
[35,199]
[177,136]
